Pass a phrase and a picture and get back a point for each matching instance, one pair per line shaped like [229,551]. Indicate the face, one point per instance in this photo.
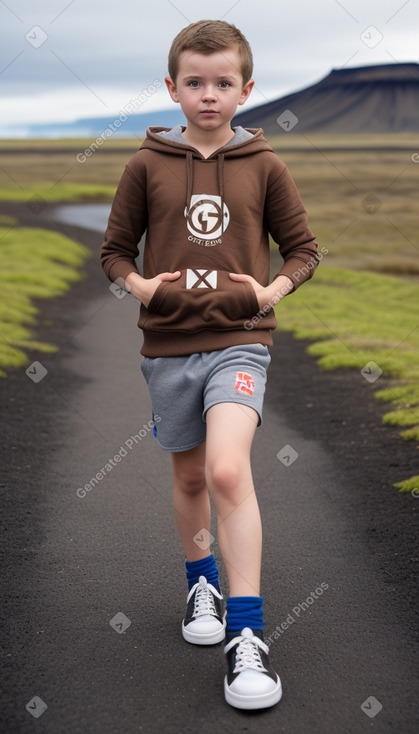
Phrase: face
[209,88]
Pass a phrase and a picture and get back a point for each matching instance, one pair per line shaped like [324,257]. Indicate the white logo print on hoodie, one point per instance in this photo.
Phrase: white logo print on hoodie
[207,217]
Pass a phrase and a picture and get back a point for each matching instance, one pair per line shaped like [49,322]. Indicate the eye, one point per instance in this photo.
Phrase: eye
[193,83]
[225,85]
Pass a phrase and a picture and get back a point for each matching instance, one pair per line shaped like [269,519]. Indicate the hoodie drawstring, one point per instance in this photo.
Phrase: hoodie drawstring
[190,182]
[220,178]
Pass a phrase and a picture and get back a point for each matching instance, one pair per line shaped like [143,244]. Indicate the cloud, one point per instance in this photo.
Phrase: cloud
[89,58]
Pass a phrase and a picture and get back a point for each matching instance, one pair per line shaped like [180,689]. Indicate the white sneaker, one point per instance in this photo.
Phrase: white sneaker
[251,682]
[204,623]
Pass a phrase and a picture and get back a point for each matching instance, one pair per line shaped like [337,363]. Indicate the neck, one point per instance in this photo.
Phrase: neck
[208,142]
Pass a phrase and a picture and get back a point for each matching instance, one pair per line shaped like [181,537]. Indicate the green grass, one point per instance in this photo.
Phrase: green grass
[34,263]
[57,192]
[7,221]
[409,485]
[355,317]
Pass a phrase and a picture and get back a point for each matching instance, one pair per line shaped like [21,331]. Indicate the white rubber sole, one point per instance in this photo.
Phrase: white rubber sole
[203,639]
[253,702]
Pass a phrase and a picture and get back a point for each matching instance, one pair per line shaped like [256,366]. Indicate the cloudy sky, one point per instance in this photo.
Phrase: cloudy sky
[62,60]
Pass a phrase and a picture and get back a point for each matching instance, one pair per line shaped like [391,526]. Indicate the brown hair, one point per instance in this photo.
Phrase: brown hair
[206,37]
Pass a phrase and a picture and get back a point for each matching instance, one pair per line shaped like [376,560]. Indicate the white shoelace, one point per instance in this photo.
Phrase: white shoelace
[247,653]
[204,602]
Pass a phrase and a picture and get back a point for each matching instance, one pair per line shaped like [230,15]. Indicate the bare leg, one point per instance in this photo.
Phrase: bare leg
[230,431]
[191,499]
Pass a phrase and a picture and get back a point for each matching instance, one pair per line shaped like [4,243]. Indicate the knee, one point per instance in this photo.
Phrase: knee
[190,482]
[224,477]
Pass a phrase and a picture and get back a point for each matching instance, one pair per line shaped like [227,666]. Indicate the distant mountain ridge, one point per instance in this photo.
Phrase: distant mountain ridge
[93,127]
[367,99]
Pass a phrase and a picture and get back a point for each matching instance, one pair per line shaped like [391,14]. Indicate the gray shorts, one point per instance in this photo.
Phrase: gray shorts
[182,389]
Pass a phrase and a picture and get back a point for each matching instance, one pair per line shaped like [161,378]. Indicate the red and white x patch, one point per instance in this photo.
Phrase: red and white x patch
[245,383]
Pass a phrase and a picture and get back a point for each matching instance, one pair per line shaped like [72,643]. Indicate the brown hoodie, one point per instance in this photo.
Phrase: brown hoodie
[206,218]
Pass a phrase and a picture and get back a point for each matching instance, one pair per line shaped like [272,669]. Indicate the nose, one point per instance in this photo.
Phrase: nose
[209,93]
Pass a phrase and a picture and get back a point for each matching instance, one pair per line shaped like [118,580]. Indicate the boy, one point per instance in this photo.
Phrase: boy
[208,195]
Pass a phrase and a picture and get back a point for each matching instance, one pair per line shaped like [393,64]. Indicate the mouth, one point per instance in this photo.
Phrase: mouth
[209,112]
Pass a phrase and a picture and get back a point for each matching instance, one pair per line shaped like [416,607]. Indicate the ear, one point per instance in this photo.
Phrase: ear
[171,86]
[246,91]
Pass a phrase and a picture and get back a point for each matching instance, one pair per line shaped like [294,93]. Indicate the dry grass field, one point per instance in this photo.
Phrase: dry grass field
[363,204]
[361,193]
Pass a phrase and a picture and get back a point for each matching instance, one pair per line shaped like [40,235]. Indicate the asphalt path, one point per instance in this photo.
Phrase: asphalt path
[93,581]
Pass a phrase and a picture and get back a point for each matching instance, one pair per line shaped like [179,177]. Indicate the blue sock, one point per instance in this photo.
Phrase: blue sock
[205,567]
[244,611]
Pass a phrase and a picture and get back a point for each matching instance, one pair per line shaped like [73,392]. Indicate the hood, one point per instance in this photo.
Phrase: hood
[156,141]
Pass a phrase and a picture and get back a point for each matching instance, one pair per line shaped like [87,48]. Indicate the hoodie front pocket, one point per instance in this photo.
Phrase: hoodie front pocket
[199,300]
[157,298]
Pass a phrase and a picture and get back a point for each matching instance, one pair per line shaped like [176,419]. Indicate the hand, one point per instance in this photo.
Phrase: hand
[145,288]
[269,295]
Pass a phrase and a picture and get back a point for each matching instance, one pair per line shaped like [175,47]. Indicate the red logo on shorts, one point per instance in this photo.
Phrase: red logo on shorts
[245,383]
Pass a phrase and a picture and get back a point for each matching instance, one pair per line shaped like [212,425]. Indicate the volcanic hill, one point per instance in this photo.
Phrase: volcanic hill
[365,99]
